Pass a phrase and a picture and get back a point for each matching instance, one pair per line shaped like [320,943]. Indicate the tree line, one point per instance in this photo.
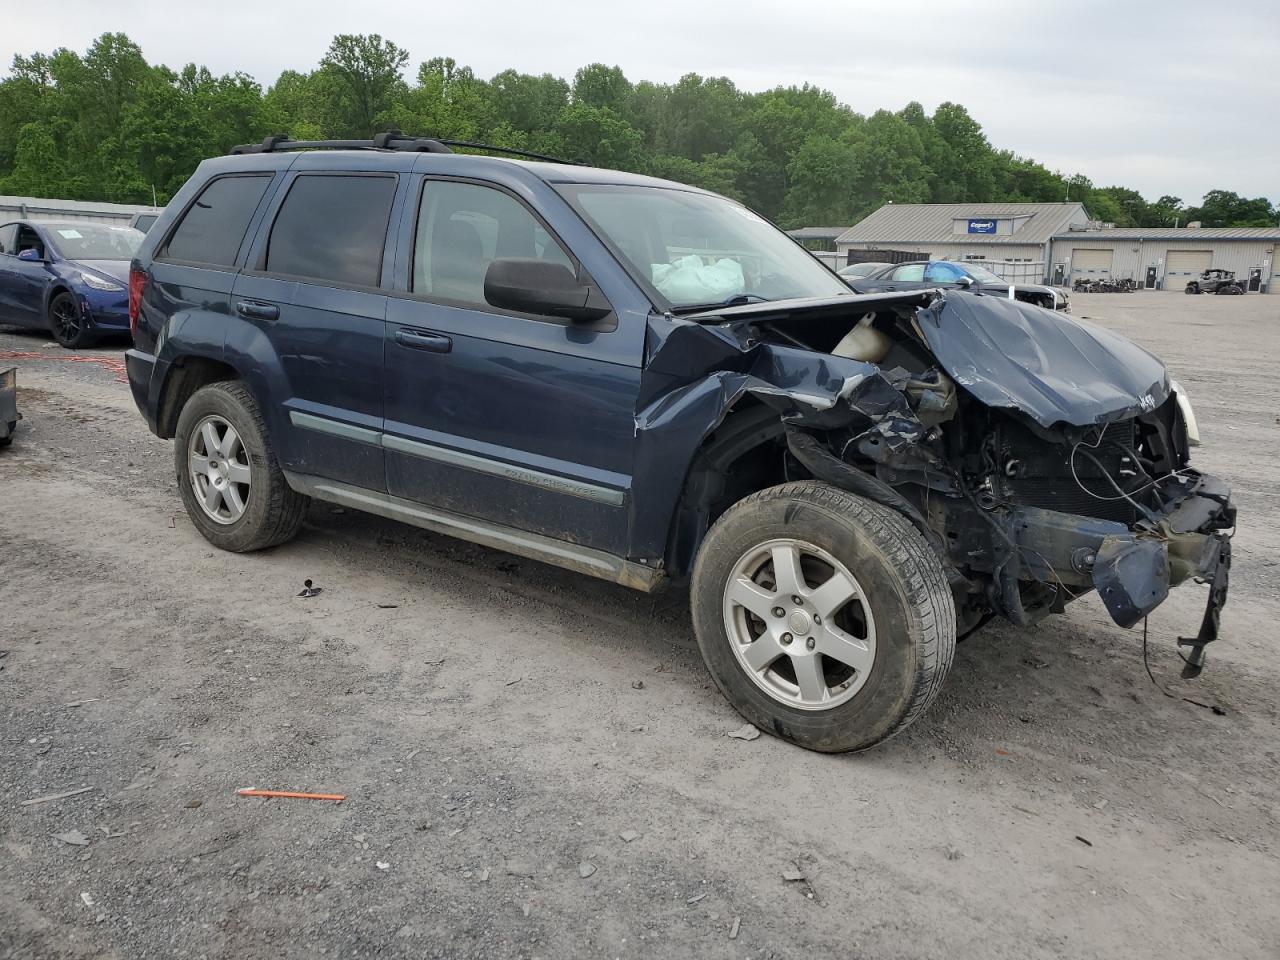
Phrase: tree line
[107,125]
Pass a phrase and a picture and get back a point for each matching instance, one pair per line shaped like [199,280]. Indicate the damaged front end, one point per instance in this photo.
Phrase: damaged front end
[1039,455]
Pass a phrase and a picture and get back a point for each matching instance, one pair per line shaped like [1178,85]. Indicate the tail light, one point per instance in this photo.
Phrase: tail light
[137,286]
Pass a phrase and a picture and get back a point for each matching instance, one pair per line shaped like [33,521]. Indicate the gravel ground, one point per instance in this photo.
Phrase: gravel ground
[499,727]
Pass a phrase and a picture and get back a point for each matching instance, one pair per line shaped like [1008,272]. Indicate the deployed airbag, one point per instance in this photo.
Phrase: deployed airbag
[688,280]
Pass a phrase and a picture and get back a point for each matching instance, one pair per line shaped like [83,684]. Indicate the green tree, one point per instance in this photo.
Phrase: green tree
[360,79]
[1225,208]
[597,85]
[600,137]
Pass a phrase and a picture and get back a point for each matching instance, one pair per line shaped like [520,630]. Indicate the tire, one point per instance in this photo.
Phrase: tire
[67,323]
[903,612]
[270,511]
[1192,288]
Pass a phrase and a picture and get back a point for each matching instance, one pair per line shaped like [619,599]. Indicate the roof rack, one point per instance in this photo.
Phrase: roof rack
[391,140]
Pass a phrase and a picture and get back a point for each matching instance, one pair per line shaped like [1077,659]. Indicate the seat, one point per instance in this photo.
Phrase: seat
[457,262]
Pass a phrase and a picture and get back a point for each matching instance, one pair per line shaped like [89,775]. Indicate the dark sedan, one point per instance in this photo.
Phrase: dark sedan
[68,277]
[924,274]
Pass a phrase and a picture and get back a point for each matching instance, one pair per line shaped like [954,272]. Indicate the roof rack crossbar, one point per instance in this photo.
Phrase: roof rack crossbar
[383,141]
[391,140]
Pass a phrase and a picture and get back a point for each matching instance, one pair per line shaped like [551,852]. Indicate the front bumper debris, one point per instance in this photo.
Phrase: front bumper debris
[1133,568]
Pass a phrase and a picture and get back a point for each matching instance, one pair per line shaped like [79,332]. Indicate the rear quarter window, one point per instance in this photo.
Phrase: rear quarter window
[213,227]
[332,228]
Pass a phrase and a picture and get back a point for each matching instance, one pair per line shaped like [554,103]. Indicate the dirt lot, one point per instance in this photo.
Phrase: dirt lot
[496,723]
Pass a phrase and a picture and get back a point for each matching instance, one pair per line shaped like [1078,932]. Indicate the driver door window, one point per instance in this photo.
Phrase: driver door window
[28,239]
[9,239]
[462,228]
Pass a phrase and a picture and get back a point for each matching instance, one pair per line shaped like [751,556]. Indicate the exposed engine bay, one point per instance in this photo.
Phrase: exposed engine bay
[1039,455]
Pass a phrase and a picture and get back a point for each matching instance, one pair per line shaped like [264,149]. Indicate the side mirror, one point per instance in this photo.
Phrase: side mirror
[542,287]
[965,282]
[31,255]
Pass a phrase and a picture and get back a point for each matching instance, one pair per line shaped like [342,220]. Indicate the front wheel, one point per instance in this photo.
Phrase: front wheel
[824,618]
[1193,288]
[231,484]
[67,323]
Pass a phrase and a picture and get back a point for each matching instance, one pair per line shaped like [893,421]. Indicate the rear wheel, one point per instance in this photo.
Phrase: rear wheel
[824,619]
[230,481]
[67,322]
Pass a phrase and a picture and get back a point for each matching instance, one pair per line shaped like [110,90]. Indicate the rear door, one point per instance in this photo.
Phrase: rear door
[312,288]
[906,276]
[526,421]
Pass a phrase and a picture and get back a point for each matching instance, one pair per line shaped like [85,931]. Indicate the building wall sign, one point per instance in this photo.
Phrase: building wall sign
[982,226]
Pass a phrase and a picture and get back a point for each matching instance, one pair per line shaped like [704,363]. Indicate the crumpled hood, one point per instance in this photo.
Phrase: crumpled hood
[117,270]
[1052,367]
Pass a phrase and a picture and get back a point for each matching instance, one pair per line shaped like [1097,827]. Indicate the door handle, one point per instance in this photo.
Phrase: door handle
[421,340]
[258,311]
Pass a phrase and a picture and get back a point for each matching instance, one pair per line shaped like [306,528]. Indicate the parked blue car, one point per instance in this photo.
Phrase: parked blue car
[68,277]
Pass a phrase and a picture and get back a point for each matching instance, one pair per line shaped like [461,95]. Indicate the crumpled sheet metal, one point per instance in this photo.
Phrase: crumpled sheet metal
[808,389]
[696,373]
[1054,368]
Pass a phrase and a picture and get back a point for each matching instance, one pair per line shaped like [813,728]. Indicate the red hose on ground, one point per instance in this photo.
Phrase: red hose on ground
[114,364]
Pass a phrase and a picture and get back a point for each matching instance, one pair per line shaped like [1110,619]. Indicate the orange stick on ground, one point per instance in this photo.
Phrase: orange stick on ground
[292,794]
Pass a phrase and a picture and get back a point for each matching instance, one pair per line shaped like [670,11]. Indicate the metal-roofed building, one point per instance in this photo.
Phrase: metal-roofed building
[1012,239]
[1166,258]
[38,208]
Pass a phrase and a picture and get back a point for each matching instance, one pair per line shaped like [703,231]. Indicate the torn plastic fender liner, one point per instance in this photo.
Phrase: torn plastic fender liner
[696,373]
[1054,368]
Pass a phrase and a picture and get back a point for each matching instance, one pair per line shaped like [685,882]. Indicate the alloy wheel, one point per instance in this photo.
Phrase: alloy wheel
[219,468]
[799,624]
[67,322]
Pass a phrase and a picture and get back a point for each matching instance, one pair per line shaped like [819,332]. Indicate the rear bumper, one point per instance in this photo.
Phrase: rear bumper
[140,366]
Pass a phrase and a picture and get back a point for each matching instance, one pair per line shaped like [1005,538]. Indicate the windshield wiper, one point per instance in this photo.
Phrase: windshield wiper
[736,300]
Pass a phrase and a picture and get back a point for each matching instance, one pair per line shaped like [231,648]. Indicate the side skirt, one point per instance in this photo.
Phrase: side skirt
[559,553]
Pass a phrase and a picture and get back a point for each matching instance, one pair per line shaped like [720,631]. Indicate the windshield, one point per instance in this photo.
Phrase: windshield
[982,274]
[698,251]
[95,241]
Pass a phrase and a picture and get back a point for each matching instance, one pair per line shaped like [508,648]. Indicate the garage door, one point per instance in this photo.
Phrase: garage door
[1091,264]
[1183,265]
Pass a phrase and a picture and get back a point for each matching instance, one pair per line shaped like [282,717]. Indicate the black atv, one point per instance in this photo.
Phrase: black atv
[1216,281]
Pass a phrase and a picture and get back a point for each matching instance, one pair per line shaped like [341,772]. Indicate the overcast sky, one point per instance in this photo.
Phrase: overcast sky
[1174,97]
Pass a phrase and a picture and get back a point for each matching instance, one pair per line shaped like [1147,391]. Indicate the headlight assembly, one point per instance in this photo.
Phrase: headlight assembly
[1188,415]
[99,283]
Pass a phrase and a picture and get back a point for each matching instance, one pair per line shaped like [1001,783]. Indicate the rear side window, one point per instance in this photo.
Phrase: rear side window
[9,238]
[213,228]
[332,228]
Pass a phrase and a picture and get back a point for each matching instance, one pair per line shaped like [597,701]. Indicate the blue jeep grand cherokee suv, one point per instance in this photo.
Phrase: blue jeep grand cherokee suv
[643,381]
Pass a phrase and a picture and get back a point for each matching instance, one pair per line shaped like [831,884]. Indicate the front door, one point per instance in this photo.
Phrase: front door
[315,294]
[28,280]
[8,277]
[526,421]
